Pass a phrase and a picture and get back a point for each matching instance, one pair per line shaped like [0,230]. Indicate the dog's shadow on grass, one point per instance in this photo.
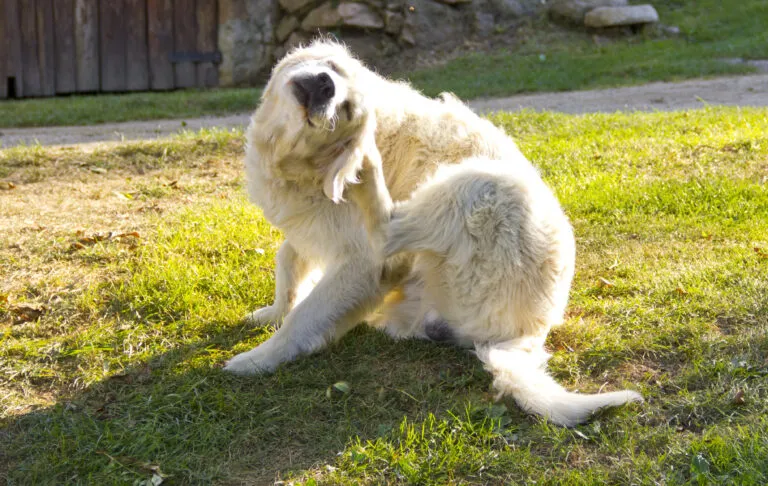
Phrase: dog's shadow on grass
[179,414]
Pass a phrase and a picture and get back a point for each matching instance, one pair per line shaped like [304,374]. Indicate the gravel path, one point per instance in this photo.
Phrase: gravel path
[739,91]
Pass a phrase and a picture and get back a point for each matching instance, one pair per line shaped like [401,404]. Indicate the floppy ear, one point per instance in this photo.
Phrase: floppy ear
[344,169]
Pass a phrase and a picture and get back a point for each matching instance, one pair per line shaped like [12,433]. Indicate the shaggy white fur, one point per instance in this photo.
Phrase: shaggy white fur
[496,256]
[478,251]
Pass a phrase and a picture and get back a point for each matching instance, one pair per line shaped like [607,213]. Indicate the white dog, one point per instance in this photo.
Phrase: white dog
[478,250]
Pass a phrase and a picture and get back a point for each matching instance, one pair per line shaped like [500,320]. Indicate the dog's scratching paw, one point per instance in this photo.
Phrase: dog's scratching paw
[633,396]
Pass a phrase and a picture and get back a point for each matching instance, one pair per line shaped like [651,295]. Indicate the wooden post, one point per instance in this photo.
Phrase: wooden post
[13,37]
[5,62]
[112,30]
[160,40]
[46,40]
[185,41]
[207,27]
[87,45]
[136,52]
[30,65]
[64,24]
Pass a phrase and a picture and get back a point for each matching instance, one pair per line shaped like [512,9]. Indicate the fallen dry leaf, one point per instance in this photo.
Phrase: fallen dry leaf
[602,282]
[124,196]
[27,312]
[680,290]
[97,237]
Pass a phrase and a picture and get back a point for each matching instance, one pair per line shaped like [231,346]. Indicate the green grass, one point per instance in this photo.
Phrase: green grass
[120,382]
[556,60]
[548,58]
[109,108]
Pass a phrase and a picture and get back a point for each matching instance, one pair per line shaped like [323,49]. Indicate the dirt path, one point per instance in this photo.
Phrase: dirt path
[740,91]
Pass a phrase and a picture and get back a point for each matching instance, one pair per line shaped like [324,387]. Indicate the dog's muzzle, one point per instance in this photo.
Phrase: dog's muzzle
[314,92]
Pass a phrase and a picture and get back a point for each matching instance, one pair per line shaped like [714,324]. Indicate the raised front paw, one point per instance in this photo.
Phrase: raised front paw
[266,315]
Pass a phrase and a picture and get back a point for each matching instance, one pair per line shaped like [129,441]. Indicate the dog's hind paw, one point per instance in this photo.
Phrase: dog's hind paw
[437,329]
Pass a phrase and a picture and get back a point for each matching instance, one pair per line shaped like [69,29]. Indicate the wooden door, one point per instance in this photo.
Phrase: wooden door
[52,47]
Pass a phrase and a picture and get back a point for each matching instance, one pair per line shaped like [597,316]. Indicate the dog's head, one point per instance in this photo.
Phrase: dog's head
[314,110]
[315,88]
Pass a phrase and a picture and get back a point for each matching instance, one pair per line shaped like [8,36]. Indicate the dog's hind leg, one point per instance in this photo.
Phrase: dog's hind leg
[290,270]
[401,315]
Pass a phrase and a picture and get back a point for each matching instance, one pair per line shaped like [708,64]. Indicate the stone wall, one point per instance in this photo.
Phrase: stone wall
[254,33]
[246,40]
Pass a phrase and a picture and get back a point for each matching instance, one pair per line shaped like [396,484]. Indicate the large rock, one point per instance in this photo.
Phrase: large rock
[356,15]
[618,16]
[287,25]
[246,29]
[360,15]
[574,11]
[512,8]
[394,22]
[294,5]
[428,23]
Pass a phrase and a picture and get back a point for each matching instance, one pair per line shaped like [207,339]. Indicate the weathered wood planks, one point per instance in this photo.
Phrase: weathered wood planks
[160,41]
[87,45]
[65,56]
[50,47]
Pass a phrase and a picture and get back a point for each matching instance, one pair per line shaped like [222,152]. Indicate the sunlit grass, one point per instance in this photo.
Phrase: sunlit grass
[119,382]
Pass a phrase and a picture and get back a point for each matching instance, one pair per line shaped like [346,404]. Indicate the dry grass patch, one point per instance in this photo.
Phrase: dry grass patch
[73,219]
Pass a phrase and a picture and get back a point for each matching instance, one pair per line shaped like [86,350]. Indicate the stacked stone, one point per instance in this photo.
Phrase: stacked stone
[254,33]
[302,19]
[396,24]
[603,13]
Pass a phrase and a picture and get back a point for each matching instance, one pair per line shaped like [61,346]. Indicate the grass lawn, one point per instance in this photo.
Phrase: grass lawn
[550,59]
[125,270]
[108,108]
[559,60]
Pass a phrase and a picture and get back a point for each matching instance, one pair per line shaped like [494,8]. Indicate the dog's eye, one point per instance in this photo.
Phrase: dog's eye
[335,67]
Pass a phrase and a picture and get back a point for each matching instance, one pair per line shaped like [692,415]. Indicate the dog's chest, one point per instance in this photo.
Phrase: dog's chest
[318,228]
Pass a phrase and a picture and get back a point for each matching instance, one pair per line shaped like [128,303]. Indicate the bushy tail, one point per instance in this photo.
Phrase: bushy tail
[519,371]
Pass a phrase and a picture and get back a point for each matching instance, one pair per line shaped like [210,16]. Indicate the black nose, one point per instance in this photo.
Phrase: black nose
[314,91]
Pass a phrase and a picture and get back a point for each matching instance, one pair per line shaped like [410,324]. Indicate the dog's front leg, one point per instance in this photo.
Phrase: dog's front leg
[290,270]
[339,301]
